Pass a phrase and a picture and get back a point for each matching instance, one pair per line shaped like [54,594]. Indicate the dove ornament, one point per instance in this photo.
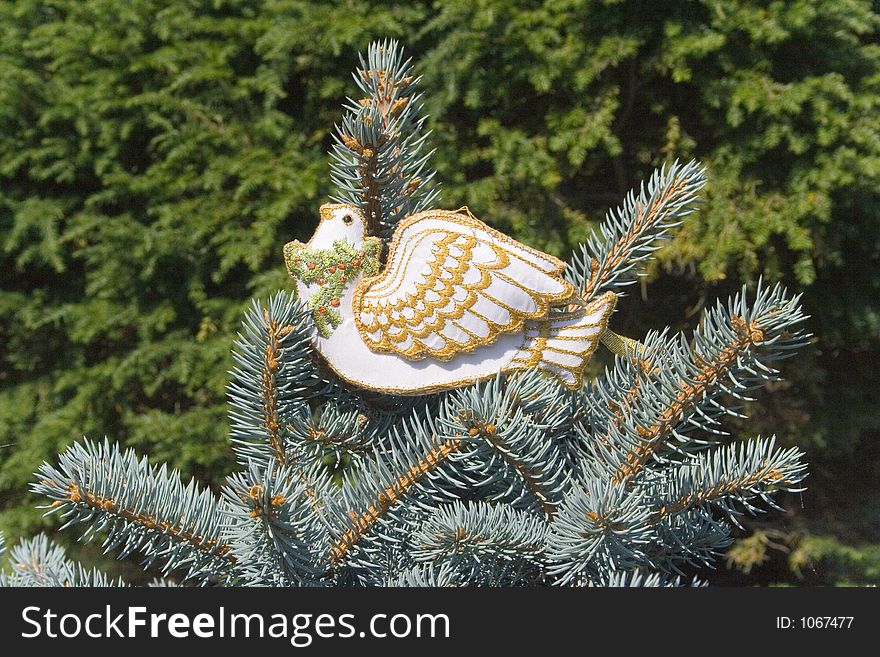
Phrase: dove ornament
[455,302]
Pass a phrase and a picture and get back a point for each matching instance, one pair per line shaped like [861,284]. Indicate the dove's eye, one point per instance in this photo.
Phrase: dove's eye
[347,220]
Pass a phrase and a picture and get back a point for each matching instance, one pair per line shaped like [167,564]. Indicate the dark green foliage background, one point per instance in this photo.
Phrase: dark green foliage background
[155,156]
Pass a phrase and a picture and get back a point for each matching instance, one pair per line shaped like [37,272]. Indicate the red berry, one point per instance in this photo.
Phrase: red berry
[311,265]
[342,280]
[356,263]
[322,310]
[341,266]
[332,270]
[296,259]
[320,281]
[334,303]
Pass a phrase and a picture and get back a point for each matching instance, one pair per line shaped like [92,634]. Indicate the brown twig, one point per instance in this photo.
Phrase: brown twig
[644,218]
[769,476]
[360,524]
[268,385]
[368,156]
[689,395]
[489,433]
[109,506]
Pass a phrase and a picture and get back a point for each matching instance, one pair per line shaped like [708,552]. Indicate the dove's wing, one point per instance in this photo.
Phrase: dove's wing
[453,284]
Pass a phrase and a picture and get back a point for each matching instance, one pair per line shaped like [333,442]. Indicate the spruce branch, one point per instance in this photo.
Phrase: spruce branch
[485,437]
[38,562]
[487,544]
[272,528]
[667,519]
[602,530]
[426,575]
[508,419]
[639,411]
[372,499]
[599,527]
[640,579]
[341,429]
[379,161]
[612,257]
[275,375]
[162,583]
[142,507]
[693,537]
[731,476]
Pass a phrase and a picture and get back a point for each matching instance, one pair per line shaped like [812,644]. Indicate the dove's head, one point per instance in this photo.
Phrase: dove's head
[336,258]
[339,221]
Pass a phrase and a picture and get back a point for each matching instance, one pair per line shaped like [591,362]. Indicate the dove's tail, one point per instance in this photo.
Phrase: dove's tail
[564,346]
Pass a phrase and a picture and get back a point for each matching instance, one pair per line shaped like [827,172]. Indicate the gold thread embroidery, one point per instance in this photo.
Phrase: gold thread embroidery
[439,315]
[374,310]
[535,344]
[516,363]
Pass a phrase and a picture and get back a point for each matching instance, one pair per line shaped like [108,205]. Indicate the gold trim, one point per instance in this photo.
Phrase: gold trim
[533,355]
[543,318]
[445,281]
[516,363]
[423,390]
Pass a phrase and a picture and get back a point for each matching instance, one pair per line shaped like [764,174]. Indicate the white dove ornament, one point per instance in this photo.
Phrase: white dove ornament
[457,302]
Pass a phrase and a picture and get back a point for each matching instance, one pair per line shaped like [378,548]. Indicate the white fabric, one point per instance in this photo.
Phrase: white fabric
[457,302]
[453,284]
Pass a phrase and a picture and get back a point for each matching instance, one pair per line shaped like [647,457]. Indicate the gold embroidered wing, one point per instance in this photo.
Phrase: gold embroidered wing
[452,284]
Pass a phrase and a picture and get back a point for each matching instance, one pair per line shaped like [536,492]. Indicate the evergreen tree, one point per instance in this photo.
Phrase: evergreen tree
[516,480]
